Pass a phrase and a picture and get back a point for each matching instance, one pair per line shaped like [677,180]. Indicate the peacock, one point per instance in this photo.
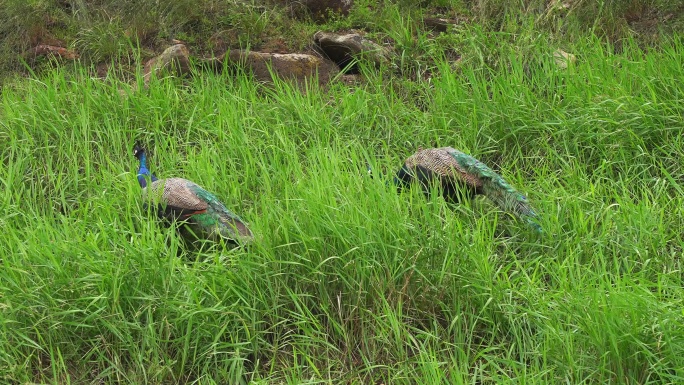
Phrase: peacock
[461,176]
[196,210]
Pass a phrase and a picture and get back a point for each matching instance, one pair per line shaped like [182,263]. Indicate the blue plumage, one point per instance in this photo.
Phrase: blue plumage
[143,172]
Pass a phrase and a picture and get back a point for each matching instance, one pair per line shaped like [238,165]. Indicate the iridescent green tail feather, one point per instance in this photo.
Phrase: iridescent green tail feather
[498,190]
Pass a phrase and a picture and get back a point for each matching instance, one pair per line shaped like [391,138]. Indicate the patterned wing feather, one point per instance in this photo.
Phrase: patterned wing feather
[174,198]
[179,192]
[439,161]
[207,216]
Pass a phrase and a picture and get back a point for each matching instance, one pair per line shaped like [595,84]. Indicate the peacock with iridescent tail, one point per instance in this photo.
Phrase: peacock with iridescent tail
[199,213]
[461,176]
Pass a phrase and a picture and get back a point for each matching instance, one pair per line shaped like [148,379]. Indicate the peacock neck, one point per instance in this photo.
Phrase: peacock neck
[143,172]
[403,177]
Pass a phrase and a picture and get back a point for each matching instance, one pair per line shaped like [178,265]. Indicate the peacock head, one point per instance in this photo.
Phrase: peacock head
[138,151]
[369,170]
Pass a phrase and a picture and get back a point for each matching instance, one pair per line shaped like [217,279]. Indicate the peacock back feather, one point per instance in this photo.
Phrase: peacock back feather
[458,172]
[180,201]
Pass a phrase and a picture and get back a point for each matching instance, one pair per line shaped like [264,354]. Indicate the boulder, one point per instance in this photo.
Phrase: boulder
[176,58]
[439,24]
[563,59]
[52,51]
[293,66]
[342,49]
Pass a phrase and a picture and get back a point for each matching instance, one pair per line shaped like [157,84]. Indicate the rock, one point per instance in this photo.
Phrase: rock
[275,45]
[176,58]
[102,70]
[342,49]
[439,24]
[351,80]
[563,59]
[298,67]
[320,9]
[54,51]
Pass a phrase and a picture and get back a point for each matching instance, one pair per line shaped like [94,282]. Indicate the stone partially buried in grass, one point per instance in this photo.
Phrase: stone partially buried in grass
[439,24]
[294,66]
[343,49]
[563,59]
[52,51]
[176,57]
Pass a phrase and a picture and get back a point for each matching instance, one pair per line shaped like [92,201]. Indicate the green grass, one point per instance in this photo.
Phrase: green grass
[350,282]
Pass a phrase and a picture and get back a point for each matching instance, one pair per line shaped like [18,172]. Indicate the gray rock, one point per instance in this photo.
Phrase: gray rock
[298,67]
[342,49]
[439,24]
[563,59]
[175,58]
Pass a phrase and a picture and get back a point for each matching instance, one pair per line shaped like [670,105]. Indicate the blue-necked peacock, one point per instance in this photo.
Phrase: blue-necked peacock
[461,176]
[181,201]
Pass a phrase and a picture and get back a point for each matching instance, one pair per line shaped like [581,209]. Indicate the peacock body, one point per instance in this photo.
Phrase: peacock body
[461,176]
[200,213]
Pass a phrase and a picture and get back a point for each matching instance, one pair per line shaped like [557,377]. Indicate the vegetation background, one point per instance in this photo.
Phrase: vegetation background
[348,282]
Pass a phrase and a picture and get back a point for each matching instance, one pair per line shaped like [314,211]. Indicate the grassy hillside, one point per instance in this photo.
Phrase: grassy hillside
[123,34]
[348,281]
